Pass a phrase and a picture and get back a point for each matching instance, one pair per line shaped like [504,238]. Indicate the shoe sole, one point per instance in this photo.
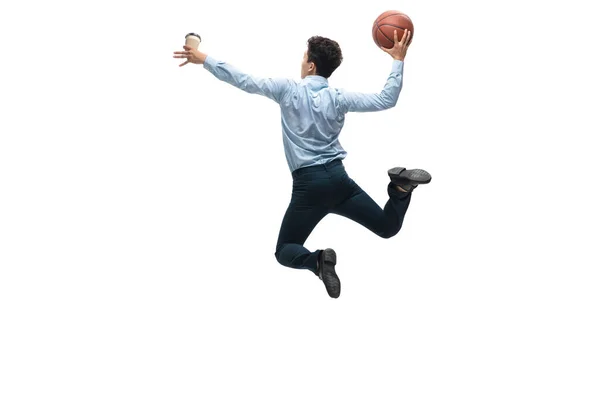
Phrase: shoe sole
[329,276]
[403,175]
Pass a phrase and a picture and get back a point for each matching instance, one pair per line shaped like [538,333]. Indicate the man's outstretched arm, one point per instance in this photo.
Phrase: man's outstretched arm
[388,97]
[268,87]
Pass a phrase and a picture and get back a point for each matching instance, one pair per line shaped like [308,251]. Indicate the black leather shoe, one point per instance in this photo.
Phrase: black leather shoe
[408,179]
[326,270]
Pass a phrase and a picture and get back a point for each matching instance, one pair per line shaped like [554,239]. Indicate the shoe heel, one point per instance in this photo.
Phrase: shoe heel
[395,172]
[329,256]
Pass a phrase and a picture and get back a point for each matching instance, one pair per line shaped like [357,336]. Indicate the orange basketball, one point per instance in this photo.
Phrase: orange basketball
[386,23]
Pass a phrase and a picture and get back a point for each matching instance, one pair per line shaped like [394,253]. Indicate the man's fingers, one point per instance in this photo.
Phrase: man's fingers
[403,40]
[407,41]
[395,36]
[181,54]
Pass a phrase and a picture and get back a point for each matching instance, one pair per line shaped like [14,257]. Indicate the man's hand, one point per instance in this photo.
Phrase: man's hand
[193,56]
[398,52]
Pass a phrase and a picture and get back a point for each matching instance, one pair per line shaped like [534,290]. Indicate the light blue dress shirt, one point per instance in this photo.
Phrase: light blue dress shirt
[312,113]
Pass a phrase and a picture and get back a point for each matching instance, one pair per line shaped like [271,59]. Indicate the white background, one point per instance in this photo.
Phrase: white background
[140,205]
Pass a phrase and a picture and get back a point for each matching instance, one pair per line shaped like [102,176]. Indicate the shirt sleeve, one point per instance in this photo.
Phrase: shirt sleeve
[273,88]
[387,98]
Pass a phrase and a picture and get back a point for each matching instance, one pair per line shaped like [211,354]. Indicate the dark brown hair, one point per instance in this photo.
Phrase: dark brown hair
[325,53]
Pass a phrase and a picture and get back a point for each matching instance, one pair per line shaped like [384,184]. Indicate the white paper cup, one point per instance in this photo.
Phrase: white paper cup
[193,40]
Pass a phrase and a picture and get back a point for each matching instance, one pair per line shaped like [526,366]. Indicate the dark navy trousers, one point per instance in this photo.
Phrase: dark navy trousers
[322,189]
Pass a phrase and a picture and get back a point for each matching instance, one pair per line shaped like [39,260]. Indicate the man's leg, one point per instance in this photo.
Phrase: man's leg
[387,222]
[298,222]
[361,208]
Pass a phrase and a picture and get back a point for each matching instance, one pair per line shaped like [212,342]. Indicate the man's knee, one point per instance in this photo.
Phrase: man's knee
[388,235]
[278,253]
[390,232]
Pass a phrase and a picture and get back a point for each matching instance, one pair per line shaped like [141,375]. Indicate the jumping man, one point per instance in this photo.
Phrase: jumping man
[312,116]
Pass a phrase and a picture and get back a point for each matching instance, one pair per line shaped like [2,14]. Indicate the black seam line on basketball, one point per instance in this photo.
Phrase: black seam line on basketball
[395,26]
[385,35]
[375,35]
[391,15]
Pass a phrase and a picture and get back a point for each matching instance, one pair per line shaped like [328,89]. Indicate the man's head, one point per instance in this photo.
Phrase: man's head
[321,57]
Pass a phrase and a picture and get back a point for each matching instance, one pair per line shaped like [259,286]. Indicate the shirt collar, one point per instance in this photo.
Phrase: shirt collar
[316,80]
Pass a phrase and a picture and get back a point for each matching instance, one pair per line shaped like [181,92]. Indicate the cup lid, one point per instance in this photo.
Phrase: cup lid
[194,34]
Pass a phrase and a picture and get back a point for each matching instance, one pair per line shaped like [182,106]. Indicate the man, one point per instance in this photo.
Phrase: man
[312,116]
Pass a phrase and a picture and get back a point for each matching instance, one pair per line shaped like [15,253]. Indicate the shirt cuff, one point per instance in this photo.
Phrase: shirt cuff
[210,63]
[397,66]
